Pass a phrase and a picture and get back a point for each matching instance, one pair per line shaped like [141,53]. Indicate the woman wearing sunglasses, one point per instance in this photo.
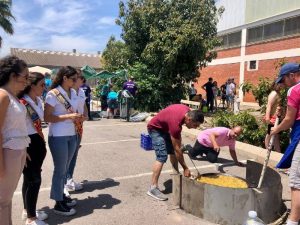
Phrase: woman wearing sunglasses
[60,112]
[14,136]
[36,152]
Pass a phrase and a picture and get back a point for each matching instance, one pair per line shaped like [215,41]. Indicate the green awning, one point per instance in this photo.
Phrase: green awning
[90,73]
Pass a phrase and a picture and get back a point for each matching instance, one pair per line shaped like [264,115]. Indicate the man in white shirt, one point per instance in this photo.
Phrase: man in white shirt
[230,91]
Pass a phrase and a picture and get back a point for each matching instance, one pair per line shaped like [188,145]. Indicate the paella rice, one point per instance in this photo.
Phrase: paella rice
[223,181]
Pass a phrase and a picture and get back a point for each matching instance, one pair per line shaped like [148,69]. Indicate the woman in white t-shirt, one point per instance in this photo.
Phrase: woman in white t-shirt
[13,137]
[36,151]
[81,108]
[60,111]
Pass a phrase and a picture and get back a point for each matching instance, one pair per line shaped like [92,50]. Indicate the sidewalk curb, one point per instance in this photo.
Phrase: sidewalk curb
[242,149]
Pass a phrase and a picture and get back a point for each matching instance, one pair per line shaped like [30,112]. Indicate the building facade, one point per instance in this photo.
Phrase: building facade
[56,59]
[256,36]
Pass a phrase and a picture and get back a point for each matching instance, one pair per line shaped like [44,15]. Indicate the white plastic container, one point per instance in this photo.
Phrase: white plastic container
[253,219]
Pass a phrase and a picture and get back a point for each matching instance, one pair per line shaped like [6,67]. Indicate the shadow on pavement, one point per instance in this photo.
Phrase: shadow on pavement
[84,207]
[89,186]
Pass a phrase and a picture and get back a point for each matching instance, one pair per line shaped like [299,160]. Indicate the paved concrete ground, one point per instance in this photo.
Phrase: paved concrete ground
[116,174]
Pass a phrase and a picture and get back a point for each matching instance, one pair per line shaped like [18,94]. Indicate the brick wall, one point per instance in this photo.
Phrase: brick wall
[266,68]
[219,73]
[276,45]
[229,53]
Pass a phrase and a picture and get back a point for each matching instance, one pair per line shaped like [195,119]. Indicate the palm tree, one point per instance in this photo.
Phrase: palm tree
[6,17]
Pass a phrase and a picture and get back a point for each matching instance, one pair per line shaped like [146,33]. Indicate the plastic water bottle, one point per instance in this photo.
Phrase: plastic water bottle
[253,219]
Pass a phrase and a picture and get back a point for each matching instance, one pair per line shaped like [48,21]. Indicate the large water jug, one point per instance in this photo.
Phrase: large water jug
[253,219]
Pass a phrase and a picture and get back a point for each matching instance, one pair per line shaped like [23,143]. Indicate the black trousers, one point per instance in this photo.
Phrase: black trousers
[103,100]
[88,106]
[210,102]
[32,173]
[199,149]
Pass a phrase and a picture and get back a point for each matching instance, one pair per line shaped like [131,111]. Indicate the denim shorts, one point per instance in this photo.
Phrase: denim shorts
[162,145]
[294,176]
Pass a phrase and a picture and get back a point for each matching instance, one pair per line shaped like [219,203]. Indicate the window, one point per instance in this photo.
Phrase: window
[255,34]
[252,65]
[231,40]
[273,30]
[234,39]
[278,29]
[292,26]
[224,40]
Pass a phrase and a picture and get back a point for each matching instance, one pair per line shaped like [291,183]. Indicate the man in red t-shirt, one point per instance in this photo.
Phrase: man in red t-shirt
[165,131]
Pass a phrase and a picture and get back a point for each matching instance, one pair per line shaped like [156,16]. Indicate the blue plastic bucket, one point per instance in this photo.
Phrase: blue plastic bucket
[146,142]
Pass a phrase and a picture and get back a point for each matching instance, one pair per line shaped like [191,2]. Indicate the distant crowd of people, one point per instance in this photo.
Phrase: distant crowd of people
[109,96]
[226,94]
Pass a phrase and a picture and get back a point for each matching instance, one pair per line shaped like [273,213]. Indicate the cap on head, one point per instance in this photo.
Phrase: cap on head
[286,69]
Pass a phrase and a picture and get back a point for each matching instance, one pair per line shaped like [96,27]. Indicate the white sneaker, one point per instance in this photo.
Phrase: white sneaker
[37,222]
[66,192]
[73,186]
[40,215]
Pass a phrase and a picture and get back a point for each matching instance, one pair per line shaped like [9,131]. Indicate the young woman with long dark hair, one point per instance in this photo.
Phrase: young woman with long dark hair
[36,151]
[60,112]
[81,108]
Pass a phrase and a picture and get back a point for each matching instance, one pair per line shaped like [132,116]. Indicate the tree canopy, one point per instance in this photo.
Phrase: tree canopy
[115,55]
[6,17]
[173,39]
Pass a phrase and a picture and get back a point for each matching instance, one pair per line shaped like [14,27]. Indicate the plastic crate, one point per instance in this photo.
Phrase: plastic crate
[146,142]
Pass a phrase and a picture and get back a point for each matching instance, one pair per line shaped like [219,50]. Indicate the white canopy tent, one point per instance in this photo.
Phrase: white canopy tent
[39,69]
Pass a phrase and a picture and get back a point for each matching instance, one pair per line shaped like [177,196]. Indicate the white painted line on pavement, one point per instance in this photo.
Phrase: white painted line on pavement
[117,124]
[107,142]
[124,177]
[144,175]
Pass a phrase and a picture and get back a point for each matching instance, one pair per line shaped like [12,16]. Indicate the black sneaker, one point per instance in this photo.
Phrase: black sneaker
[186,148]
[61,208]
[69,201]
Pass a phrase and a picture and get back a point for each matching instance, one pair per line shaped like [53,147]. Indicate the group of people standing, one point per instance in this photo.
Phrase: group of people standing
[109,96]
[226,93]
[23,147]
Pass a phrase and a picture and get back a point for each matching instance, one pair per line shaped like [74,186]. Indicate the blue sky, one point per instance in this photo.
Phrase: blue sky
[62,25]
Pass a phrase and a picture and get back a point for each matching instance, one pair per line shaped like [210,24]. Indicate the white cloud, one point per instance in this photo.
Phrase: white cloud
[110,21]
[67,43]
[63,20]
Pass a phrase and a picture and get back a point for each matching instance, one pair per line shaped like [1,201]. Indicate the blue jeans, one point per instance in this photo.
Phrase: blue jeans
[74,159]
[162,145]
[62,150]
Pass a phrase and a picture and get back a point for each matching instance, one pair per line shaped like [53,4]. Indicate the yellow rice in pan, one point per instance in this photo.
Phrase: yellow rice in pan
[223,181]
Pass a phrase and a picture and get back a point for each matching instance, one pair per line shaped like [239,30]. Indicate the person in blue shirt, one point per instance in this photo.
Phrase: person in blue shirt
[48,83]
[87,91]
[112,103]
